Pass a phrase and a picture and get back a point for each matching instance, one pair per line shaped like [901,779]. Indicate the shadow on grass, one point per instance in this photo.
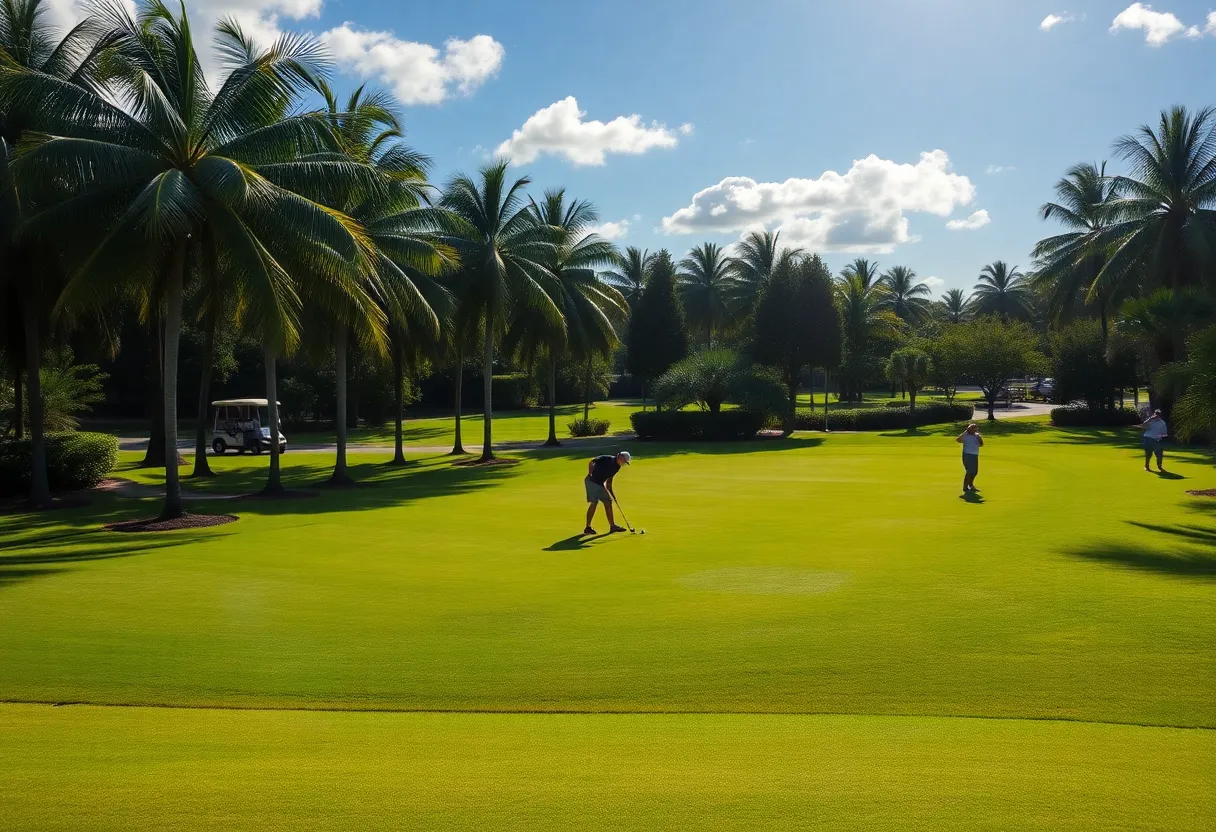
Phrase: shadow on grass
[652,450]
[576,543]
[953,429]
[1176,557]
[972,497]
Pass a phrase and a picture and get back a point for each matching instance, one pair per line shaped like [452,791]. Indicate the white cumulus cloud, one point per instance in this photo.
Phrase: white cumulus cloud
[611,230]
[417,73]
[1159,27]
[934,283]
[997,170]
[864,210]
[560,129]
[976,221]
[1054,20]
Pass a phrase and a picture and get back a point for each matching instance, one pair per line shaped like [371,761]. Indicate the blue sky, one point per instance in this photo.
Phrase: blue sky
[735,98]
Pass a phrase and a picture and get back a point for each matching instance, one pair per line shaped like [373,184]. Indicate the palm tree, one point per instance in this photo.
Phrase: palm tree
[956,306]
[591,308]
[864,316]
[1002,291]
[756,256]
[865,272]
[906,297]
[27,271]
[1195,411]
[629,274]
[502,252]
[1156,322]
[178,172]
[707,285]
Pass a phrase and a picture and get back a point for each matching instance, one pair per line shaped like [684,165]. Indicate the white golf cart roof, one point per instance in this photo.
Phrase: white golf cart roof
[241,403]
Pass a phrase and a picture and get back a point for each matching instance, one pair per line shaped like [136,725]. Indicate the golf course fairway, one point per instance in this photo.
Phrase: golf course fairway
[816,632]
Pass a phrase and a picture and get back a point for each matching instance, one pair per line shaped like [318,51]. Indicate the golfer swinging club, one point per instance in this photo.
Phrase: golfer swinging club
[600,472]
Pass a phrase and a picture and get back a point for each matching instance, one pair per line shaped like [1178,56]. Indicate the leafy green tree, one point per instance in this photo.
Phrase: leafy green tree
[503,252]
[657,335]
[707,286]
[1002,291]
[1195,411]
[992,353]
[629,274]
[906,297]
[29,274]
[796,323]
[865,322]
[1152,325]
[911,369]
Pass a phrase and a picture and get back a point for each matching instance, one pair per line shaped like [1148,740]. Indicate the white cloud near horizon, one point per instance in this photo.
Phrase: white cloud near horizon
[861,211]
[1159,27]
[997,170]
[934,283]
[611,230]
[417,73]
[561,130]
[974,222]
[1054,20]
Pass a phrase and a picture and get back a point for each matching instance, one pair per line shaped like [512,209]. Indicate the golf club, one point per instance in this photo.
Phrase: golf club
[626,519]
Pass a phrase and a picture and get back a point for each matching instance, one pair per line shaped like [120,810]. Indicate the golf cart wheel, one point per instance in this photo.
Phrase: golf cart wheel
[256,449]
[219,446]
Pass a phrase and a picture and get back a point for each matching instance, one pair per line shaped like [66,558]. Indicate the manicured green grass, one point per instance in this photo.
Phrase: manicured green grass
[817,575]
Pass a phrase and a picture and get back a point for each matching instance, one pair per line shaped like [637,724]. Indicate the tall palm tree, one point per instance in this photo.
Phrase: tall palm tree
[591,308]
[503,254]
[28,273]
[1068,264]
[756,255]
[956,306]
[864,270]
[1002,291]
[178,171]
[404,256]
[707,285]
[864,316]
[906,297]
[628,275]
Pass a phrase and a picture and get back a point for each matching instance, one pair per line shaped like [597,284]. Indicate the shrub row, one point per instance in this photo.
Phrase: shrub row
[696,425]
[884,418]
[1080,416]
[73,461]
[589,427]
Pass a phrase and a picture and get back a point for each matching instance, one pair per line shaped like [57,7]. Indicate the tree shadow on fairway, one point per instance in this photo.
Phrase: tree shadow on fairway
[997,428]
[1177,557]
[654,450]
[29,557]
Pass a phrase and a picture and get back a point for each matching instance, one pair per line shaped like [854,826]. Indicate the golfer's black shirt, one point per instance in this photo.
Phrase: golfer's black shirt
[604,468]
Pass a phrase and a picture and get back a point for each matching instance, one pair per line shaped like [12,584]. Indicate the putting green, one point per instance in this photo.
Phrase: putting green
[838,575]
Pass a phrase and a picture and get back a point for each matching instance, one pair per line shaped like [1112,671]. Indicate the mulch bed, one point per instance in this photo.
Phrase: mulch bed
[490,463]
[1211,492]
[187,521]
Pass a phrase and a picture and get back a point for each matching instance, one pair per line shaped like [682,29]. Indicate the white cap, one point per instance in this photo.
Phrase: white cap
[626,455]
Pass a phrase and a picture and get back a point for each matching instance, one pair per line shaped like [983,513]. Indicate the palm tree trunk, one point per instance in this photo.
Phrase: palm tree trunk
[40,488]
[587,392]
[399,404]
[458,447]
[154,456]
[339,476]
[1110,395]
[201,467]
[18,405]
[173,329]
[487,447]
[911,409]
[274,480]
[552,442]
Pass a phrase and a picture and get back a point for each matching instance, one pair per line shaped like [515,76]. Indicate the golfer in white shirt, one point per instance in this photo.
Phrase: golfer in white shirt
[1153,439]
[971,441]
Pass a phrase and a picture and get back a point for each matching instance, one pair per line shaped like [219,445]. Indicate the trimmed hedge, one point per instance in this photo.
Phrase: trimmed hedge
[73,461]
[696,425]
[589,427]
[884,418]
[1080,416]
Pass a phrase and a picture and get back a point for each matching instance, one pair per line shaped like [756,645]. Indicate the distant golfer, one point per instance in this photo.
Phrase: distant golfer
[1153,439]
[971,441]
[600,472]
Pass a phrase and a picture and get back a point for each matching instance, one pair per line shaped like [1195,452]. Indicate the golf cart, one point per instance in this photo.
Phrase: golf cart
[239,426]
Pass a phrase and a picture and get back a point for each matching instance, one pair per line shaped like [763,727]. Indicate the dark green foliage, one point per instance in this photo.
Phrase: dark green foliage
[696,425]
[991,353]
[885,418]
[589,427]
[1080,416]
[759,390]
[1082,369]
[74,461]
[657,335]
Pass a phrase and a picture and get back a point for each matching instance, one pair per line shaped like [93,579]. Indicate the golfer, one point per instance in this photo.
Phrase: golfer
[600,472]
[1153,439]
[971,441]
